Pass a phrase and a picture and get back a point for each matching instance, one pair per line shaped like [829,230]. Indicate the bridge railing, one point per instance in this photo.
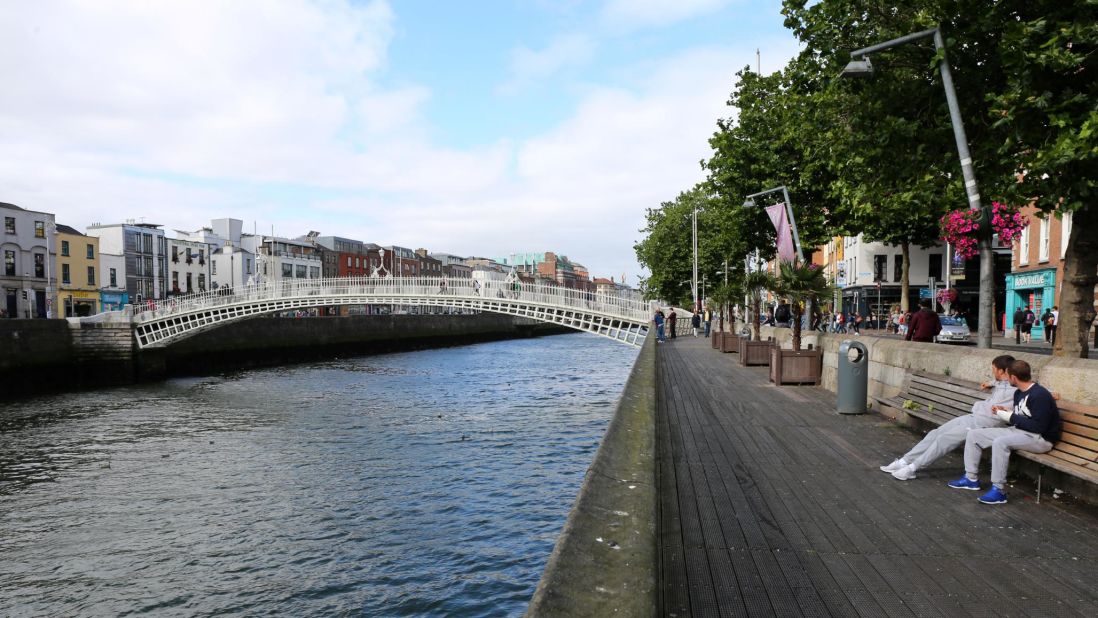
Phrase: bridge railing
[623,304]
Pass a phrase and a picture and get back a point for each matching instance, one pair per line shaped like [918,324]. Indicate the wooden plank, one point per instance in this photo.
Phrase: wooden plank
[945,397]
[1067,414]
[1079,430]
[1081,442]
[961,391]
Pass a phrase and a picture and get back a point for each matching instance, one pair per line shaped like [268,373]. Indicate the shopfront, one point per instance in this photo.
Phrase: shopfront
[114,301]
[1035,289]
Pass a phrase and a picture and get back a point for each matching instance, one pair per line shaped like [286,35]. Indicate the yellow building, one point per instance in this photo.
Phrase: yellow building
[77,273]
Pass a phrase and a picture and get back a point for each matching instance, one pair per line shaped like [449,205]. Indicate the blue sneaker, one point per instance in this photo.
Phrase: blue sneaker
[965,483]
[993,496]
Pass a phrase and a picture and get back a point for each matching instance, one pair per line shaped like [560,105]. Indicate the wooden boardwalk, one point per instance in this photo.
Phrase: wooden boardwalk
[771,504]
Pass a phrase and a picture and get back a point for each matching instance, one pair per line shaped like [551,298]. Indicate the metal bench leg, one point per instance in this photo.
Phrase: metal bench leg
[1040,475]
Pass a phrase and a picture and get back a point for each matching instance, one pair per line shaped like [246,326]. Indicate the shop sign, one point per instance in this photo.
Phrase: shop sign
[1036,280]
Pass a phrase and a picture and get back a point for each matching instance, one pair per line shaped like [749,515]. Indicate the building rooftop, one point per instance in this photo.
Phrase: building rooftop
[10,206]
[64,229]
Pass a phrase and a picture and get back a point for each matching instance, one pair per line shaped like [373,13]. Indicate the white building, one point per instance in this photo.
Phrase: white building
[865,264]
[27,246]
[282,258]
[144,250]
[232,266]
[189,266]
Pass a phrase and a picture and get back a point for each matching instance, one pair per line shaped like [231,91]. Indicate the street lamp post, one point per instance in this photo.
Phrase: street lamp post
[749,202]
[987,266]
[695,279]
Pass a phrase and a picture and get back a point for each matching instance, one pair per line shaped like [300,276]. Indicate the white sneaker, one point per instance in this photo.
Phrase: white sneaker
[894,466]
[905,473]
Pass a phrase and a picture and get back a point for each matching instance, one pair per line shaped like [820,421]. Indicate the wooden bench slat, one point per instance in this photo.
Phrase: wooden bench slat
[1080,408]
[1079,419]
[1079,430]
[950,407]
[1081,442]
[1067,447]
[1057,455]
[960,390]
[948,391]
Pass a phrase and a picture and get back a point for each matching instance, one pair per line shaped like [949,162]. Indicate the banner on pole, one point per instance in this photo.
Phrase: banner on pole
[781,226]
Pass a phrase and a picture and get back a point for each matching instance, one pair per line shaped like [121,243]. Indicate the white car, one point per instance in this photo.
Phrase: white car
[954,330]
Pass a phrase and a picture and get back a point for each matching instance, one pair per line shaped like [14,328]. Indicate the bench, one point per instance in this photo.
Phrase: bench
[939,399]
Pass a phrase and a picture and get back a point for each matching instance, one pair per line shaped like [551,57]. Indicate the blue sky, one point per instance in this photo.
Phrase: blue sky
[466,127]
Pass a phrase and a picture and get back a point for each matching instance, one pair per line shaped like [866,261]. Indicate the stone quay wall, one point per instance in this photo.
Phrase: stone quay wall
[45,356]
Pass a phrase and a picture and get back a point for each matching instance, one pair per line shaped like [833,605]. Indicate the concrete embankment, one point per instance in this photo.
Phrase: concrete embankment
[41,356]
[604,562]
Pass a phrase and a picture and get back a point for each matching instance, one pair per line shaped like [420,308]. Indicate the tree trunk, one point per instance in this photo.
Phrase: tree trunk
[905,277]
[755,302]
[1077,293]
[795,308]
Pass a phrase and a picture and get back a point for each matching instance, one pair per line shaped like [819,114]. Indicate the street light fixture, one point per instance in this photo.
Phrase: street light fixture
[987,265]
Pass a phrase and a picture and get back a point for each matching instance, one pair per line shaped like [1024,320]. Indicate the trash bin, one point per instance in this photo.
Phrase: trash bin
[853,377]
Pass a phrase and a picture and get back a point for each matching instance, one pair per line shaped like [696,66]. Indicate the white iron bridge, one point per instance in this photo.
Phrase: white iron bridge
[621,316]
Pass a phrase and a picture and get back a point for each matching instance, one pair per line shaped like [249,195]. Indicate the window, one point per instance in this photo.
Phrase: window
[91,252]
[201,282]
[880,267]
[314,272]
[114,278]
[65,248]
[91,275]
[348,261]
[934,268]
[1023,247]
[39,229]
[898,268]
[9,263]
[175,253]
[248,263]
[189,288]
[39,265]
[9,225]
[175,281]
[287,270]
[1043,249]
[300,274]
[1065,233]
[147,243]
[65,274]
[213,267]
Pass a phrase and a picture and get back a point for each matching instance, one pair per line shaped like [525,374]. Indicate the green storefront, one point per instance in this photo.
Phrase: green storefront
[1035,289]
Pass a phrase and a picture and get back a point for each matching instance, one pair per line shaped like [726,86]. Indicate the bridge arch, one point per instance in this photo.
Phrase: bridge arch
[623,317]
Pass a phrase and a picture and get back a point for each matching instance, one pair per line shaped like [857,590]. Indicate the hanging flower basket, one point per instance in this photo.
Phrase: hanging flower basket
[945,297]
[963,228]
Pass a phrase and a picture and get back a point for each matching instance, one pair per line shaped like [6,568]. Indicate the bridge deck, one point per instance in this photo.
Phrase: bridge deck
[772,504]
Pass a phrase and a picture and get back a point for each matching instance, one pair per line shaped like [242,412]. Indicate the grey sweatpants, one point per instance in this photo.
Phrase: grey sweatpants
[946,438]
[1001,441]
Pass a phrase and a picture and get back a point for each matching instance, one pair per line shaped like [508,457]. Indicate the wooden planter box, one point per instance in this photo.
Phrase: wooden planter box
[715,338]
[754,352]
[730,342]
[795,367]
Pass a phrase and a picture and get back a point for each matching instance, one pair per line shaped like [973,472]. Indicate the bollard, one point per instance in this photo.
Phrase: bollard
[853,383]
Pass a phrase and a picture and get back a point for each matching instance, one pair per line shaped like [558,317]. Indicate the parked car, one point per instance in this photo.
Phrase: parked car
[954,330]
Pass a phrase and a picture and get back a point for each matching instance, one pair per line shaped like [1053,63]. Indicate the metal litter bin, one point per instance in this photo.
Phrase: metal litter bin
[853,377]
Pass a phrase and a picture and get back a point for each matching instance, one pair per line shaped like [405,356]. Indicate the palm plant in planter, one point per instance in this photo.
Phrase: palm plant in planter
[723,297]
[753,351]
[798,283]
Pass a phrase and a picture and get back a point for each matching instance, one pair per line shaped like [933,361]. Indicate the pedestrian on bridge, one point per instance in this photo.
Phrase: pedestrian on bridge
[658,321]
[672,321]
[708,320]
[695,322]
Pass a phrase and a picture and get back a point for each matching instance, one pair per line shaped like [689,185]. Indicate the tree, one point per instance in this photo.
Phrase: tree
[800,284]
[755,283]
[1048,111]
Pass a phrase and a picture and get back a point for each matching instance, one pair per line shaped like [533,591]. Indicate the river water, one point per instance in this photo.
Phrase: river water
[424,483]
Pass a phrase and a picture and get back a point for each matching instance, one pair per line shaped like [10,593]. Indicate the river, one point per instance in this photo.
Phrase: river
[424,483]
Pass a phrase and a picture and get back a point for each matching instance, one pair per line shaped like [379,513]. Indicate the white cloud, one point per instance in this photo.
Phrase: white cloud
[630,14]
[183,113]
[531,66]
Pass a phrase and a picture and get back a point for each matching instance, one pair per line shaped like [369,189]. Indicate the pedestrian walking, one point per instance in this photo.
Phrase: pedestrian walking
[695,322]
[708,319]
[924,325]
[1027,325]
[658,320]
[856,322]
[1019,319]
[672,321]
[1054,326]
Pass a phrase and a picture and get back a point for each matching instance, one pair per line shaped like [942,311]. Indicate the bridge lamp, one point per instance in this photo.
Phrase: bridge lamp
[863,68]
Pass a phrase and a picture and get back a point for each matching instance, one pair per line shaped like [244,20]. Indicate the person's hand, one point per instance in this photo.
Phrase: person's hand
[1056,395]
[1003,413]
[985,385]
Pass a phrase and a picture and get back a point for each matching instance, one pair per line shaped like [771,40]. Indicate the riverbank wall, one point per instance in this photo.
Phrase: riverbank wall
[605,559]
[45,356]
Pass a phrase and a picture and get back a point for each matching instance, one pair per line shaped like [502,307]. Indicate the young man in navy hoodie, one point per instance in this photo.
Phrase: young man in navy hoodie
[1034,426]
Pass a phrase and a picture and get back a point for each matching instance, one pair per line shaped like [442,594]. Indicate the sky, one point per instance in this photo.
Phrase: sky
[479,127]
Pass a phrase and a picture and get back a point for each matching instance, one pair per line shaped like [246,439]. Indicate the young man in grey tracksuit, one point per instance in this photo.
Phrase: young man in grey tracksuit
[952,434]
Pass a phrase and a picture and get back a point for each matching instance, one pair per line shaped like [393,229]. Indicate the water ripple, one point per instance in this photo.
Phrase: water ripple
[424,483]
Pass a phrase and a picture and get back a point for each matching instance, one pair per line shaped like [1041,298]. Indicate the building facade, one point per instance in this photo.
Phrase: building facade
[78,273]
[453,266]
[278,259]
[144,251]
[401,261]
[188,267]
[27,279]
